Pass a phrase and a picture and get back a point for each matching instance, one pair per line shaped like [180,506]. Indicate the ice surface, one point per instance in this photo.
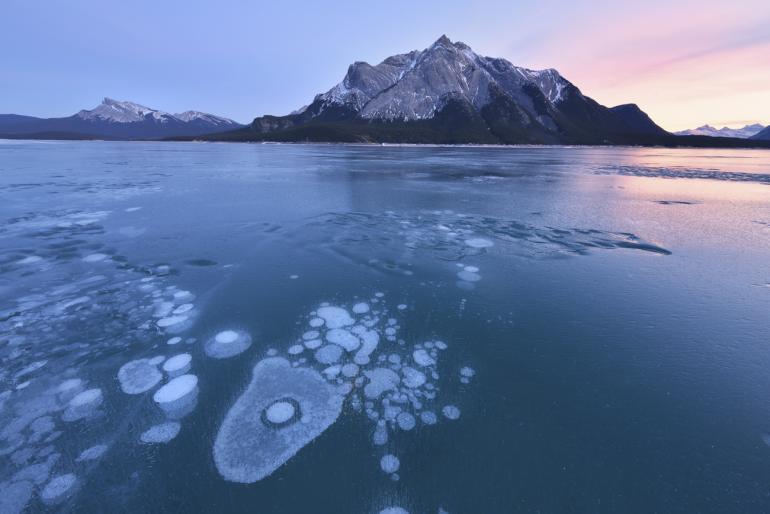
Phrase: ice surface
[246,449]
[14,496]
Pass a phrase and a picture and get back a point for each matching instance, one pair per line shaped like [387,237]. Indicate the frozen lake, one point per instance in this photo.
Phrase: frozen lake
[354,329]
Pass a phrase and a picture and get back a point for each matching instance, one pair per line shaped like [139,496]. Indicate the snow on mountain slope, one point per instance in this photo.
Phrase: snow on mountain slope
[416,85]
[707,130]
[116,111]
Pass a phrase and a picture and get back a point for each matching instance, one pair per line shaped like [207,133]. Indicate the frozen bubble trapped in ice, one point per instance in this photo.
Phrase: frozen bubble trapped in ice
[479,242]
[58,489]
[138,376]
[250,445]
[162,433]
[335,317]
[227,343]
[389,463]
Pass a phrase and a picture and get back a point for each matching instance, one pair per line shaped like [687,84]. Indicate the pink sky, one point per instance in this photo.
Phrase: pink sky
[685,63]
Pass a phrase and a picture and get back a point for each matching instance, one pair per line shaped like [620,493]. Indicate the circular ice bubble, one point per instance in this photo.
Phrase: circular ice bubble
[178,396]
[92,453]
[413,378]
[467,372]
[178,364]
[280,412]
[343,338]
[394,510]
[171,321]
[161,433]
[380,380]
[451,412]
[313,344]
[246,448]
[83,405]
[468,276]
[185,307]
[471,269]
[479,242]
[296,349]
[227,343]
[361,308]
[428,417]
[405,421]
[174,340]
[422,358]
[138,376]
[389,463]
[310,334]
[350,370]
[58,489]
[94,257]
[328,354]
[335,317]
[316,322]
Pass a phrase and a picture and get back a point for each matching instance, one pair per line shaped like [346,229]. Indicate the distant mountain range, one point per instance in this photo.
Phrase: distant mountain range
[707,130]
[113,119]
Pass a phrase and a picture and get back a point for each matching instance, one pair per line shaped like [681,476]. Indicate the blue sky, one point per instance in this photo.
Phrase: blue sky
[685,62]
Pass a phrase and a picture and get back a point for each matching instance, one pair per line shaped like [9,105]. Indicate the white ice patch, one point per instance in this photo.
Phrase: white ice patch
[335,317]
[178,364]
[92,453]
[162,433]
[280,412]
[94,257]
[227,343]
[328,354]
[179,396]
[380,380]
[247,449]
[479,242]
[413,378]
[422,358]
[343,338]
[138,376]
[361,308]
[389,463]
[83,405]
[58,489]
[451,412]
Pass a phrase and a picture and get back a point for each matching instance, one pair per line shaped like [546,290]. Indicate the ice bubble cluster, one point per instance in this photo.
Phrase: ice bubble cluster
[227,343]
[282,409]
[361,362]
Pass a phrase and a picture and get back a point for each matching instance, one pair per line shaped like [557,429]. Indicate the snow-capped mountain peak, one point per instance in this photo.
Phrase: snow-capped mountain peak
[189,116]
[416,85]
[123,112]
[708,130]
[116,111]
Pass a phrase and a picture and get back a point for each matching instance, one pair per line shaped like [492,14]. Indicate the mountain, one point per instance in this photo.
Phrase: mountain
[708,130]
[449,94]
[113,119]
[764,135]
